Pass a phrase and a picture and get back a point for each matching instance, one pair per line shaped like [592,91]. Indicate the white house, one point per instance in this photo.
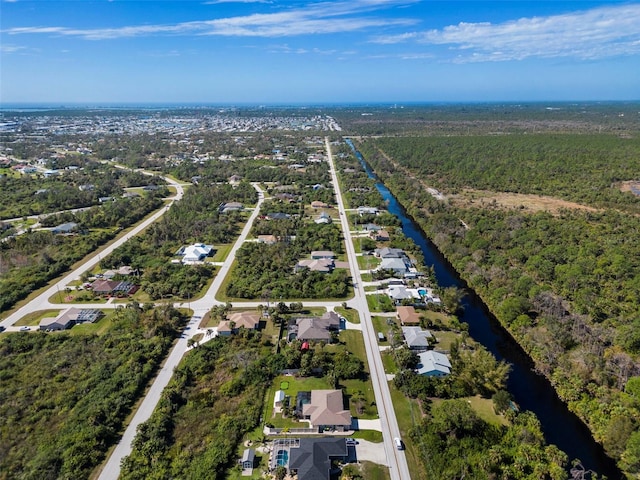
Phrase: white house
[196,253]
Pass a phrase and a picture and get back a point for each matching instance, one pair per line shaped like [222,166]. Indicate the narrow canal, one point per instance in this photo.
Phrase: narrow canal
[531,391]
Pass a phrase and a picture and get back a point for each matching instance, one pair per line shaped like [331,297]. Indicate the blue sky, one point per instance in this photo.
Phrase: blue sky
[324,51]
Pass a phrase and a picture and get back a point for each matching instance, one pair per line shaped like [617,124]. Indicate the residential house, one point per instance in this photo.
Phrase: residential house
[363,210]
[231,207]
[325,265]
[267,239]
[277,216]
[312,458]
[235,179]
[65,228]
[371,227]
[247,319]
[324,218]
[326,411]
[379,236]
[318,204]
[416,338]
[397,265]
[388,252]
[407,316]
[320,254]
[318,329]
[398,293]
[195,253]
[71,317]
[113,287]
[433,364]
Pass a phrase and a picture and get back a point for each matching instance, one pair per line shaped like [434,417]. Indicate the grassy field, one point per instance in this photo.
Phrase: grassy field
[373,471]
[98,328]
[408,413]
[349,313]
[380,303]
[389,363]
[380,324]
[222,252]
[34,318]
[355,344]
[368,262]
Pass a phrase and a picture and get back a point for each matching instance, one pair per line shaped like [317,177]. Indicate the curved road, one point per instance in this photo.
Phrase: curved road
[41,302]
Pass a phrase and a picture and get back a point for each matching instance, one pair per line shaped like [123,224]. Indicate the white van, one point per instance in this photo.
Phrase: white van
[399,444]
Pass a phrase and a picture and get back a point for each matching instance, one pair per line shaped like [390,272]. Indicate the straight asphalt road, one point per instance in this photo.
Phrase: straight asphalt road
[396,459]
[111,470]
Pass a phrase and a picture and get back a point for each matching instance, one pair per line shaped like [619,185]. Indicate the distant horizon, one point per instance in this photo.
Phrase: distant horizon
[9,106]
[318,52]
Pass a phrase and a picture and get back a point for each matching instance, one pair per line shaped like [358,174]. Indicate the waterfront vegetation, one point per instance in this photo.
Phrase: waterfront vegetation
[65,397]
[562,280]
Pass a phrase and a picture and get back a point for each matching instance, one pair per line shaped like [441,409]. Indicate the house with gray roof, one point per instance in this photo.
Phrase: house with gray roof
[313,459]
[416,338]
[317,329]
[433,364]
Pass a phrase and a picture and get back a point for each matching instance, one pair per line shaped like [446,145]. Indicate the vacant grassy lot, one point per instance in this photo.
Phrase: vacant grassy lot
[380,303]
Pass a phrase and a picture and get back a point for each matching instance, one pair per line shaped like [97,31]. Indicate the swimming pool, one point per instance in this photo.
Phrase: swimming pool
[422,292]
[282,458]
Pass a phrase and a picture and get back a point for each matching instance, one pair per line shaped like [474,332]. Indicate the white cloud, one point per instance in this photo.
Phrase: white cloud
[596,33]
[316,18]
[12,48]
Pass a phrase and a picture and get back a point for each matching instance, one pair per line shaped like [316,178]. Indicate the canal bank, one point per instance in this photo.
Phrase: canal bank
[531,391]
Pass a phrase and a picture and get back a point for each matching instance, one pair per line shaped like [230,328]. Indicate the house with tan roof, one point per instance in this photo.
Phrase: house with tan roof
[326,411]
[248,319]
[407,316]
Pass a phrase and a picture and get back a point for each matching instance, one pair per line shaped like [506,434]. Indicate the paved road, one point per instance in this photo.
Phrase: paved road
[111,470]
[396,459]
[41,302]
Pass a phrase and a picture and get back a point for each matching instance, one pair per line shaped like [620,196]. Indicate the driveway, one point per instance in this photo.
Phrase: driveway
[360,424]
[372,452]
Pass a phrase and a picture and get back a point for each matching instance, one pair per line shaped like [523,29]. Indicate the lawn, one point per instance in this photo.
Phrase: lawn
[369,435]
[408,413]
[222,252]
[484,408]
[35,317]
[445,339]
[389,362]
[368,262]
[380,324]
[354,343]
[350,314]
[98,328]
[373,471]
[380,303]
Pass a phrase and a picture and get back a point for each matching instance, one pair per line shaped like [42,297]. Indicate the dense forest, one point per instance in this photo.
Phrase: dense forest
[565,284]
[65,398]
[29,261]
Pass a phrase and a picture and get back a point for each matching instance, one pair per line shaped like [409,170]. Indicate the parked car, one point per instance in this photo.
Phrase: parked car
[24,329]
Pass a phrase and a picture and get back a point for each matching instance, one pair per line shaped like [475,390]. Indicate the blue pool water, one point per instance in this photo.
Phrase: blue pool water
[282,458]
[422,291]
